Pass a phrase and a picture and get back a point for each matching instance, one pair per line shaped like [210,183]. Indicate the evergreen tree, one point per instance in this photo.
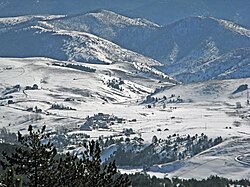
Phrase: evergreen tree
[154,139]
[35,161]
[34,158]
[88,171]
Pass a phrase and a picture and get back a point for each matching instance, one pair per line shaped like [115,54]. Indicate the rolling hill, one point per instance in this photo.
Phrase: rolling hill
[191,50]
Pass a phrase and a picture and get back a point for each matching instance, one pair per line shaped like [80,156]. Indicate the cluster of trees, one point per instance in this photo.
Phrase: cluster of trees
[145,180]
[116,84]
[106,142]
[132,153]
[80,67]
[75,66]
[61,107]
[35,109]
[35,163]
[241,88]
[172,99]
[34,87]
[128,131]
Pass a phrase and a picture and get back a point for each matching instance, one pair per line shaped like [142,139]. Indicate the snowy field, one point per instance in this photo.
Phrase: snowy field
[208,108]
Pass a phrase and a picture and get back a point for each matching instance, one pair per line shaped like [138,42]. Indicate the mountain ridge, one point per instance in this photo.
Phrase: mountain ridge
[208,39]
[102,36]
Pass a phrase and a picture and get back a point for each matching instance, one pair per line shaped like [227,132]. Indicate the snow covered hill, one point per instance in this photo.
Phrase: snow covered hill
[32,36]
[204,49]
[74,86]
[207,107]
[124,31]
[190,48]
[210,91]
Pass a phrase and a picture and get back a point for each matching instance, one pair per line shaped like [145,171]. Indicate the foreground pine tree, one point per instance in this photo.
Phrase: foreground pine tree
[35,160]
[88,171]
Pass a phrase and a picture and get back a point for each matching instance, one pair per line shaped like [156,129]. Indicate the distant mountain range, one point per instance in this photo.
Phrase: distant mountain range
[162,12]
[192,49]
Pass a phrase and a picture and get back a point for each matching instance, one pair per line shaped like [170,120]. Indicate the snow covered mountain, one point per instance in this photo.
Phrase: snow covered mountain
[187,48]
[150,39]
[198,49]
[129,33]
[192,49]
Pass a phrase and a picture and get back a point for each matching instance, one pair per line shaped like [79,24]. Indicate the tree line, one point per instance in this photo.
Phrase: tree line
[140,179]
